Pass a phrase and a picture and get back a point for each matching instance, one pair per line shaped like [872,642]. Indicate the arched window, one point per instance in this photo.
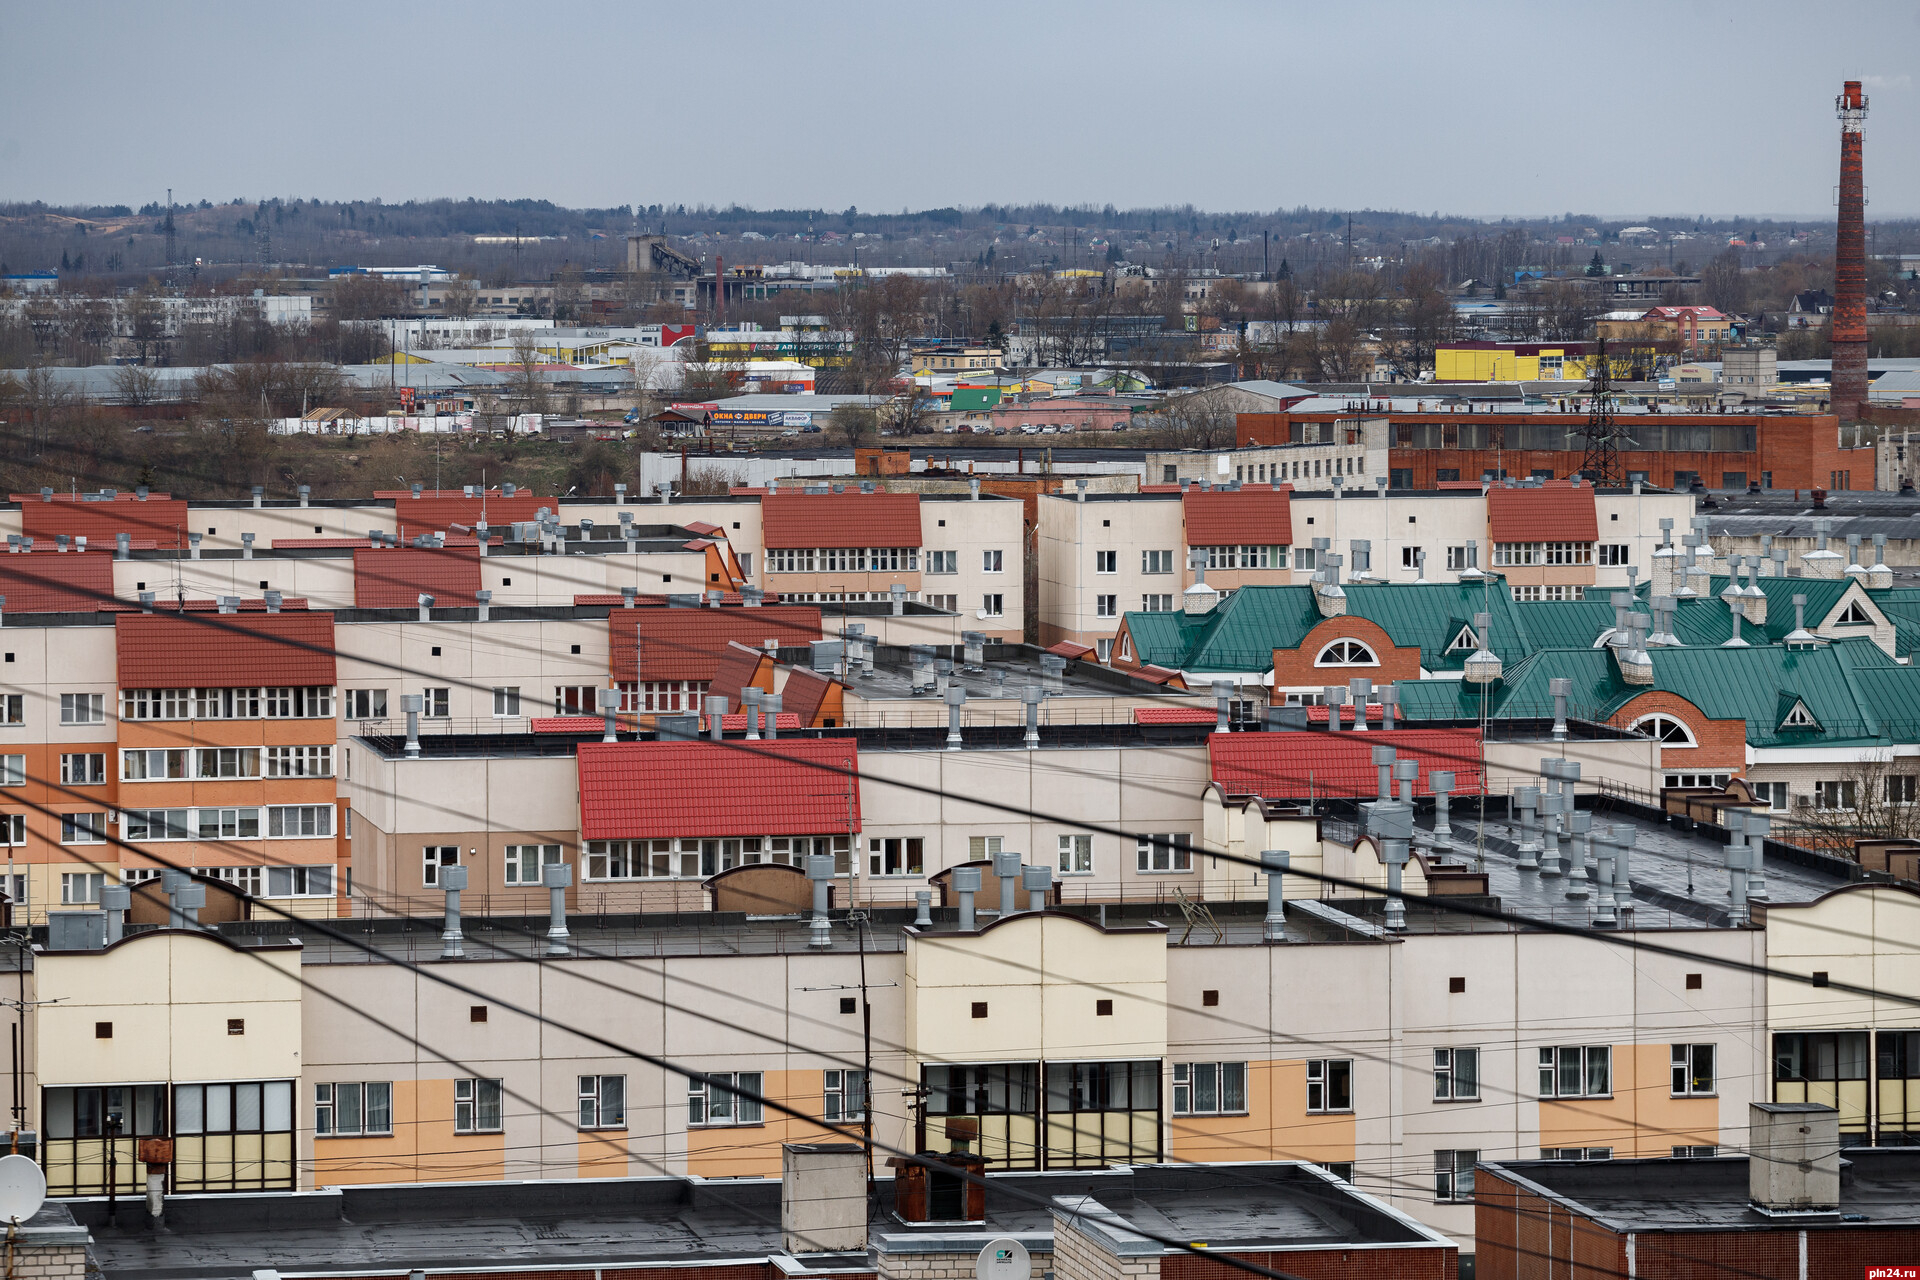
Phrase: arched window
[1346,653]
[1667,729]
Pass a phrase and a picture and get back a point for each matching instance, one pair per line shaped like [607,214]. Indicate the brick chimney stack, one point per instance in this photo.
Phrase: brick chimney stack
[1850,262]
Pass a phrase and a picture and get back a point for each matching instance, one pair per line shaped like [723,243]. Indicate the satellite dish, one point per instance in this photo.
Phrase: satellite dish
[1002,1259]
[23,1189]
[979,613]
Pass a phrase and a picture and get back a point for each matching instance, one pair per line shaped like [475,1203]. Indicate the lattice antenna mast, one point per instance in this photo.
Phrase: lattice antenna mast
[1601,462]
[171,256]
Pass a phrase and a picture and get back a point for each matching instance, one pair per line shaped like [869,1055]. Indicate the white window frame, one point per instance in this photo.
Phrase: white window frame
[993,604]
[13,770]
[1554,1060]
[1106,562]
[1322,1073]
[432,858]
[1190,1079]
[81,888]
[363,704]
[943,562]
[896,857]
[525,864]
[845,1095]
[993,561]
[331,1103]
[1175,848]
[1106,606]
[1075,854]
[603,1103]
[90,769]
[1684,1065]
[472,1096]
[282,816]
[714,1101]
[83,828]
[1347,645]
[1156,562]
[1453,1175]
[1448,1075]
[83,708]
[300,762]
[1659,726]
[506,702]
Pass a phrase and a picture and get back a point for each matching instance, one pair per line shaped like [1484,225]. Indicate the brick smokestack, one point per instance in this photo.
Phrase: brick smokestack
[1850,262]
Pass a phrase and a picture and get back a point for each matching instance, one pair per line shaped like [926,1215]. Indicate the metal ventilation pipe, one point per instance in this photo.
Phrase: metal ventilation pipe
[1605,914]
[557,876]
[1006,866]
[1757,824]
[899,593]
[920,660]
[452,881]
[975,649]
[1440,782]
[1527,801]
[1579,851]
[306,493]
[1739,861]
[273,600]
[115,900]
[1273,864]
[412,703]
[229,604]
[956,699]
[185,901]
[1391,823]
[750,699]
[820,872]
[716,716]
[480,536]
[1389,696]
[1038,882]
[966,883]
[193,546]
[922,908]
[1031,695]
[426,607]
[1552,805]
[1222,705]
[122,546]
[942,676]
[1335,697]
[771,705]
[1383,758]
[1561,688]
[246,546]
[146,601]
[1359,689]
[609,700]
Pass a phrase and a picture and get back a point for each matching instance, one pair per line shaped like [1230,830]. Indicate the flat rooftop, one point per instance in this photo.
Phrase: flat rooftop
[1882,1184]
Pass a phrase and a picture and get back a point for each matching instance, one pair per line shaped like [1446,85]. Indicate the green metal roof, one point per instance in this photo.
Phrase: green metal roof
[974,400]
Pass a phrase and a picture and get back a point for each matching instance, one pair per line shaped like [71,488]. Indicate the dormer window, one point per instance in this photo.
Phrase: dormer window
[1855,616]
[1799,718]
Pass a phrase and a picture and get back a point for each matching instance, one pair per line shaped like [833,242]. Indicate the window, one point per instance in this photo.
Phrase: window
[895,856]
[1409,557]
[366,704]
[1106,562]
[1453,1176]
[87,828]
[1159,603]
[155,824]
[82,769]
[227,824]
[1569,553]
[1900,788]
[353,1109]
[1667,729]
[1330,1084]
[476,1106]
[524,861]
[949,603]
[1103,649]
[1341,1169]
[1106,606]
[227,762]
[1576,1071]
[718,1100]
[432,858]
[299,762]
[506,701]
[1615,553]
[1303,559]
[433,703]
[1692,1070]
[1245,557]
[13,708]
[661,695]
[1456,1075]
[1516,553]
[846,1096]
[603,1102]
[287,821]
[1156,562]
[1855,616]
[1834,795]
[1209,1088]
[979,847]
[1346,653]
[13,770]
[992,561]
[1456,559]
[303,702]
[1576,1153]
[1695,1153]
[992,604]
[299,882]
[81,888]
[1171,851]
[943,562]
[154,765]
[576,700]
[1076,855]
[13,831]
[1799,718]
[83,708]
[226,704]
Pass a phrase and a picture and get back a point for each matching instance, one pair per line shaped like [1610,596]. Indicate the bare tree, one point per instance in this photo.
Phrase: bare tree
[463,296]
[1200,420]
[136,385]
[527,380]
[910,414]
[855,422]
[1867,799]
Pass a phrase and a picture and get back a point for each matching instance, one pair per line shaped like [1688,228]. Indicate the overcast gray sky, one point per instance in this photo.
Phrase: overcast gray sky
[1624,108]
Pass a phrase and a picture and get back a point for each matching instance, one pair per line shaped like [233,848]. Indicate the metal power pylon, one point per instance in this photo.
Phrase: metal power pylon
[1601,461]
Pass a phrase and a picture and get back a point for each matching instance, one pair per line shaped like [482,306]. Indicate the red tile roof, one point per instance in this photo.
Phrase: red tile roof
[569,724]
[738,665]
[840,520]
[438,510]
[167,651]
[1554,512]
[736,722]
[703,528]
[804,692]
[648,790]
[1220,518]
[1175,715]
[686,644]
[1156,675]
[159,517]
[1068,649]
[397,577]
[48,582]
[1295,765]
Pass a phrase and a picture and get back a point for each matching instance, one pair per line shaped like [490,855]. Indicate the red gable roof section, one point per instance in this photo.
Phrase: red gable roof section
[651,790]
[397,578]
[840,520]
[738,666]
[569,724]
[158,517]
[1175,715]
[704,529]
[686,644]
[1294,765]
[804,692]
[1554,512]
[438,510]
[167,651]
[1069,650]
[48,582]
[1220,518]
